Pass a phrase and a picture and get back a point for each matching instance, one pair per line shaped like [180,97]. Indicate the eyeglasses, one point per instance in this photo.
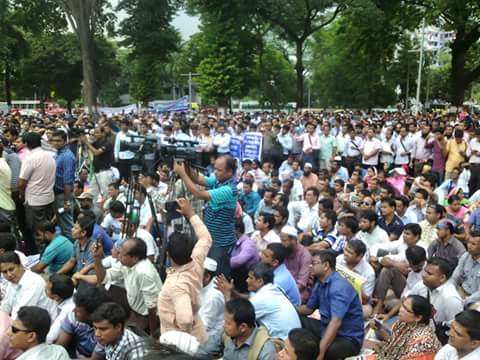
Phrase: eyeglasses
[16,330]
[366,203]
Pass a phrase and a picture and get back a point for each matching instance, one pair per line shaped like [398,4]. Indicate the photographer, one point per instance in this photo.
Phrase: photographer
[102,151]
[220,210]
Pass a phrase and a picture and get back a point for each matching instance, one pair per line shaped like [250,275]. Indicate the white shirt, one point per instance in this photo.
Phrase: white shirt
[45,351]
[448,352]
[445,299]
[222,141]
[376,237]
[386,153]
[301,215]
[64,309]
[286,141]
[474,145]
[342,140]
[262,242]
[396,249]
[369,147]
[364,269]
[212,309]
[30,291]
[145,213]
[152,248]
[142,284]
[350,149]
[399,149]
[122,155]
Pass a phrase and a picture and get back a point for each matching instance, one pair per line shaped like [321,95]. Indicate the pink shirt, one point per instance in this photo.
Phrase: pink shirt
[6,352]
[179,299]
[310,142]
[38,169]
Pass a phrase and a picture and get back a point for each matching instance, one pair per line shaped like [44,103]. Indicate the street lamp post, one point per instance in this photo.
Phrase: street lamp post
[190,76]
[420,66]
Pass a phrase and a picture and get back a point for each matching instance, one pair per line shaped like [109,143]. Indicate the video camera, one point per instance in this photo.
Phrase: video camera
[76,132]
[180,151]
[140,144]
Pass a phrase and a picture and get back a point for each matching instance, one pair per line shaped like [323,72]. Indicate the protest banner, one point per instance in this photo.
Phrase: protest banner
[353,278]
[252,146]
[236,149]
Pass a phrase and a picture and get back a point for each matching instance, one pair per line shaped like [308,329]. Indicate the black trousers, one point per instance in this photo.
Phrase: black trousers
[474,183]
[124,169]
[340,348]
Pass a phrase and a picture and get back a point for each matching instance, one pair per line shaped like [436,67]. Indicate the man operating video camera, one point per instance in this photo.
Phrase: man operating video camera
[221,195]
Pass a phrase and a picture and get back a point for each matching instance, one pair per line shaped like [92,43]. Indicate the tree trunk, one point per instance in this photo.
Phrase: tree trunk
[299,69]
[8,87]
[459,81]
[81,16]
[88,67]
[69,106]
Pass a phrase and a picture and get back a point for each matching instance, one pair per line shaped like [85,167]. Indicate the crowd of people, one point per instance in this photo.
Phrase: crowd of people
[352,235]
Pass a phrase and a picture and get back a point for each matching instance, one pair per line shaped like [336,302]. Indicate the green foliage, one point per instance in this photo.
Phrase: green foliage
[276,78]
[152,40]
[219,77]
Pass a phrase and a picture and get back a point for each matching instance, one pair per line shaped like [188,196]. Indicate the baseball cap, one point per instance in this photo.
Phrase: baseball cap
[86,195]
[446,224]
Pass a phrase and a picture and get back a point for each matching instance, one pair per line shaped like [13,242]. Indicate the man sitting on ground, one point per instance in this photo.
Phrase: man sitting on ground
[110,330]
[28,333]
[340,327]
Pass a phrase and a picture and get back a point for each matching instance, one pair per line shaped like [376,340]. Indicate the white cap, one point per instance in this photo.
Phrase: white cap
[210,264]
[400,171]
[308,165]
[183,341]
[337,158]
[289,230]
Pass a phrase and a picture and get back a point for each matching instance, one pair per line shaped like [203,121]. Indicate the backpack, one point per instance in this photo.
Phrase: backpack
[260,339]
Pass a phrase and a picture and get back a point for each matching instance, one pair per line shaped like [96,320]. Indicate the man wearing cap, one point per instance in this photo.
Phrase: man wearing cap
[298,259]
[212,309]
[338,171]
[309,178]
[446,246]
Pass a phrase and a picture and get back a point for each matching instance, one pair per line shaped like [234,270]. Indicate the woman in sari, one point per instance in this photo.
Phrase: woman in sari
[412,337]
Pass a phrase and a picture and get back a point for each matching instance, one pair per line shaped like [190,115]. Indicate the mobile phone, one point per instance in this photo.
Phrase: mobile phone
[381,326]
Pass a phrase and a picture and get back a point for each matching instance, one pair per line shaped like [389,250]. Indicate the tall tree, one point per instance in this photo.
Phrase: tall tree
[86,18]
[296,21]
[148,32]
[461,17]
[233,36]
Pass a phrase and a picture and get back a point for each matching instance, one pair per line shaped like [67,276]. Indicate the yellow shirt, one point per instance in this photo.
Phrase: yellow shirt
[6,201]
[453,153]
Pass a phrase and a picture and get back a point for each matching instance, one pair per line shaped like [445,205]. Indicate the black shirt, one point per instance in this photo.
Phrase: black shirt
[103,162]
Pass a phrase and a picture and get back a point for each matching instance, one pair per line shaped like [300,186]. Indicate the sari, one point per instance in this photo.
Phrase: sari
[408,342]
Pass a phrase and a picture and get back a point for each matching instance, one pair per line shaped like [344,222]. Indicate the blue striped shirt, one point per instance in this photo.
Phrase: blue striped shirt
[65,173]
[220,211]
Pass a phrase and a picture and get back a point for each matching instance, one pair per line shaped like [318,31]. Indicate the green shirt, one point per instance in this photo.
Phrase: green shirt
[327,144]
[57,253]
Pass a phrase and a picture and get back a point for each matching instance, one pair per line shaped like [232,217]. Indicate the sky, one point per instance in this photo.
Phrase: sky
[187,25]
